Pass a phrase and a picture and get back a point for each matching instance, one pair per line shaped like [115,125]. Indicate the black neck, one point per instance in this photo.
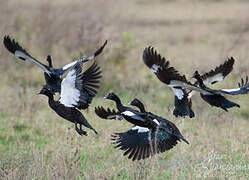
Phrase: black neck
[119,105]
[200,81]
[141,107]
[50,98]
[49,62]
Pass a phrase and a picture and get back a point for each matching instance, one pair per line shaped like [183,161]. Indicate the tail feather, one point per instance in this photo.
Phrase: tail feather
[87,124]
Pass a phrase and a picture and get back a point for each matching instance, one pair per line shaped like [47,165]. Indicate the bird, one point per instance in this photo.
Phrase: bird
[131,115]
[168,125]
[53,76]
[156,135]
[77,92]
[168,75]
[215,97]
[218,74]
[183,89]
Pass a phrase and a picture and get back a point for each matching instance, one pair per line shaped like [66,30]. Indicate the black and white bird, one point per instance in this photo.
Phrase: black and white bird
[77,92]
[169,75]
[131,115]
[165,124]
[215,97]
[218,74]
[155,135]
[183,89]
[53,76]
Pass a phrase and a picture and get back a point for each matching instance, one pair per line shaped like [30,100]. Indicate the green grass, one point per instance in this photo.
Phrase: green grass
[37,144]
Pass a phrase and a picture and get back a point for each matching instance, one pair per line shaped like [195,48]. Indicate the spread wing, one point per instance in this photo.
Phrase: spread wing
[171,77]
[107,113]
[219,73]
[87,58]
[161,67]
[135,115]
[22,54]
[78,89]
[243,88]
[140,143]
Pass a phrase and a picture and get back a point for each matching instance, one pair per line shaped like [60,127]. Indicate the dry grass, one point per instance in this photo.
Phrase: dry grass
[36,144]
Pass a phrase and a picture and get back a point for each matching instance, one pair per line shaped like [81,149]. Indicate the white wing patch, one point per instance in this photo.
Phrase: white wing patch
[156,121]
[178,92]
[69,94]
[175,83]
[154,68]
[128,113]
[68,66]
[28,58]
[132,115]
[218,77]
[140,129]
[231,90]
[80,60]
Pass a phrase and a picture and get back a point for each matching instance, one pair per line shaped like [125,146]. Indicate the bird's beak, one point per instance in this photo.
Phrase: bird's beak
[129,103]
[39,92]
[105,97]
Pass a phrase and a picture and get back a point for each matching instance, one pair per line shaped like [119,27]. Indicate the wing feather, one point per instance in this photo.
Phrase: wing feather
[76,91]
[22,54]
[140,145]
[107,113]
[219,73]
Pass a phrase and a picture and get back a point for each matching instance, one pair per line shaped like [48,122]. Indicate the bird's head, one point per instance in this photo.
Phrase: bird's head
[136,102]
[111,96]
[45,91]
[196,75]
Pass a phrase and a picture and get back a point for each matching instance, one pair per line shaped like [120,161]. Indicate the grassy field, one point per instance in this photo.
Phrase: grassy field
[37,144]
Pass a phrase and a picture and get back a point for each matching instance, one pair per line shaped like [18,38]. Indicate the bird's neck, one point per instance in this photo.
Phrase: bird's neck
[142,109]
[50,99]
[200,81]
[119,105]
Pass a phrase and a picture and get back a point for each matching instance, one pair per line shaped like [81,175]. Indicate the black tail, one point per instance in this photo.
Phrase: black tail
[86,124]
[226,104]
[219,101]
[183,108]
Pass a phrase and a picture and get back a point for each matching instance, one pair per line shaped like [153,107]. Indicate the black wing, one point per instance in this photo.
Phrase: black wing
[82,60]
[243,88]
[22,54]
[172,78]
[160,66]
[219,73]
[141,143]
[78,89]
[107,113]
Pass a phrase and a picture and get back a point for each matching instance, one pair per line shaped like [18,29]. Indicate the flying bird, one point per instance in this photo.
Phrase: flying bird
[169,75]
[150,136]
[77,92]
[215,97]
[53,76]
[183,89]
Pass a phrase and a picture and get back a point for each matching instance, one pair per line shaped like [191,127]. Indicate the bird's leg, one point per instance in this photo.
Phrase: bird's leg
[80,131]
[83,132]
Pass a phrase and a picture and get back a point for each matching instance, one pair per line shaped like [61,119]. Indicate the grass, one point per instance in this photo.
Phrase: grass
[37,144]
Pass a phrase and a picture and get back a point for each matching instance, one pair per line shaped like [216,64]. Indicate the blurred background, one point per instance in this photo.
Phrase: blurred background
[35,143]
